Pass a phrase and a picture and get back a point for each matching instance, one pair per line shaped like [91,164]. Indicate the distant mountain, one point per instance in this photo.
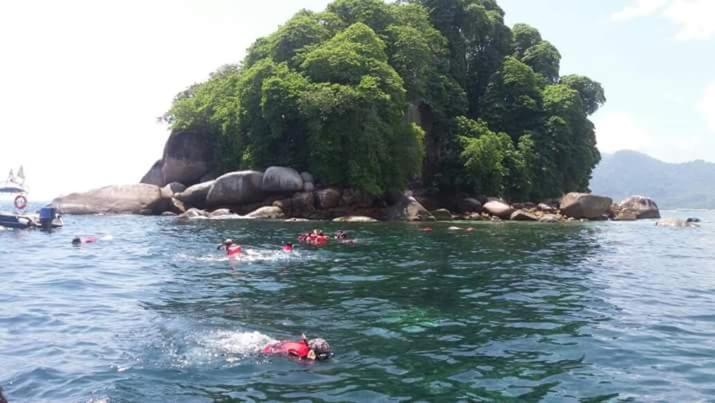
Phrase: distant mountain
[626,173]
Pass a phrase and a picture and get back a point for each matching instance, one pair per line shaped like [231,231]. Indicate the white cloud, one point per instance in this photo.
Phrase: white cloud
[640,8]
[707,105]
[620,131]
[694,18]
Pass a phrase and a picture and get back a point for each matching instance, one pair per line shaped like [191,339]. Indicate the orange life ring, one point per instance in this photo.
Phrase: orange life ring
[20,202]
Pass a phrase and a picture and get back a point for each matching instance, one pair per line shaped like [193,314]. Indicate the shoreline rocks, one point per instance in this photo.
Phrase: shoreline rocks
[585,205]
[118,199]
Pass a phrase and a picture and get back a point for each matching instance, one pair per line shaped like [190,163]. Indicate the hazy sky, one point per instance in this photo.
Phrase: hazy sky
[83,81]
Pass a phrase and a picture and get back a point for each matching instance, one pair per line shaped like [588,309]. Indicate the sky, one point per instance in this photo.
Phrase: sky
[82,82]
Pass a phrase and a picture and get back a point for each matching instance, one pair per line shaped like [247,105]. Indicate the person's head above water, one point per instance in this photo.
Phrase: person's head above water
[225,244]
[76,241]
[321,348]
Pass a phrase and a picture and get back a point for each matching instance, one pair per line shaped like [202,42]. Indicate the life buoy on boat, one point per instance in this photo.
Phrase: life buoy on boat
[20,202]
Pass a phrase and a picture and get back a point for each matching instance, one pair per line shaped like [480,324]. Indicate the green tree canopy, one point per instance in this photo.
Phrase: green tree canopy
[363,92]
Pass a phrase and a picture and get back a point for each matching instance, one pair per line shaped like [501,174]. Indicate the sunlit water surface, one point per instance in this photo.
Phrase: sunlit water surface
[523,312]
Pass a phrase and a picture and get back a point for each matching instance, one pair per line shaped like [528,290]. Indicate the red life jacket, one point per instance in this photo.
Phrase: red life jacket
[233,250]
[298,349]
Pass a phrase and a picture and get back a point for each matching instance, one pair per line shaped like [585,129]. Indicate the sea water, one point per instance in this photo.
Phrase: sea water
[152,312]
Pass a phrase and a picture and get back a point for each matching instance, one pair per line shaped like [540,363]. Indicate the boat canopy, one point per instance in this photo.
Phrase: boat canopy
[6,187]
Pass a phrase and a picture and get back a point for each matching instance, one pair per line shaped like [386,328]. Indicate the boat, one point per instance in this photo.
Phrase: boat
[46,218]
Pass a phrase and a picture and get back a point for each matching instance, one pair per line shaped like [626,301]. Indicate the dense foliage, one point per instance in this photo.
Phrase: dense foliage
[372,95]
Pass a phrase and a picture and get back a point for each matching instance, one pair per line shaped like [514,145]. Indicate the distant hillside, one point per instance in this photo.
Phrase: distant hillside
[625,173]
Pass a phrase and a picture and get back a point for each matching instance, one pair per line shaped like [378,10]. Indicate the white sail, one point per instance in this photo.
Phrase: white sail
[21,175]
[11,176]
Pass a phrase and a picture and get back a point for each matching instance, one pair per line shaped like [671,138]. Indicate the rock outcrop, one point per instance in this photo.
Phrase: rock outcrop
[498,209]
[188,156]
[121,199]
[408,209]
[585,205]
[267,213]
[236,188]
[442,214]
[522,215]
[469,205]
[195,196]
[281,180]
[640,206]
[154,177]
[328,198]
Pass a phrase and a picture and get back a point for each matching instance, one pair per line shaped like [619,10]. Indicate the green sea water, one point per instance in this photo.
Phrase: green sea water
[509,312]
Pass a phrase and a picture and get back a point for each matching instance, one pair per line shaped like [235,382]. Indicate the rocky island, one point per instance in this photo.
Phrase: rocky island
[371,111]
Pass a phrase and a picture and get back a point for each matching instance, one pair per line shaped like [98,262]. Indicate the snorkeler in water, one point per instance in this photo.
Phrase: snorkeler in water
[79,240]
[288,247]
[304,349]
[232,250]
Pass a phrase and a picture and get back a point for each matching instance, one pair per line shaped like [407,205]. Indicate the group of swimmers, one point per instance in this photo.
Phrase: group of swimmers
[313,238]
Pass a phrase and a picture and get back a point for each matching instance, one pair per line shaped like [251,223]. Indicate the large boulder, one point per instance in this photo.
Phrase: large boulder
[302,204]
[328,198]
[195,196]
[267,213]
[194,213]
[282,180]
[640,206]
[154,177]
[356,198]
[498,208]
[118,199]
[188,156]
[174,188]
[442,214]
[523,215]
[585,205]
[236,188]
[469,205]
[408,209]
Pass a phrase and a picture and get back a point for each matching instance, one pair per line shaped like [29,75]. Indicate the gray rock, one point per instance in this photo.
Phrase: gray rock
[640,206]
[303,204]
[154,177]
[236,188]
[550,218]
[220,213]
[168,214]
[281,180]
[585,205]
[194,213]
[307,177]
[408,209]
[546,208]
[176,206]
[297,220]
[356,198]
[328,198]
[188,156]
[355,219]
[498,208]
[308,187]
[118,199]
[522,215]
[442,214]
[195,196]
[469,205]
[173,188]
[267,213]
